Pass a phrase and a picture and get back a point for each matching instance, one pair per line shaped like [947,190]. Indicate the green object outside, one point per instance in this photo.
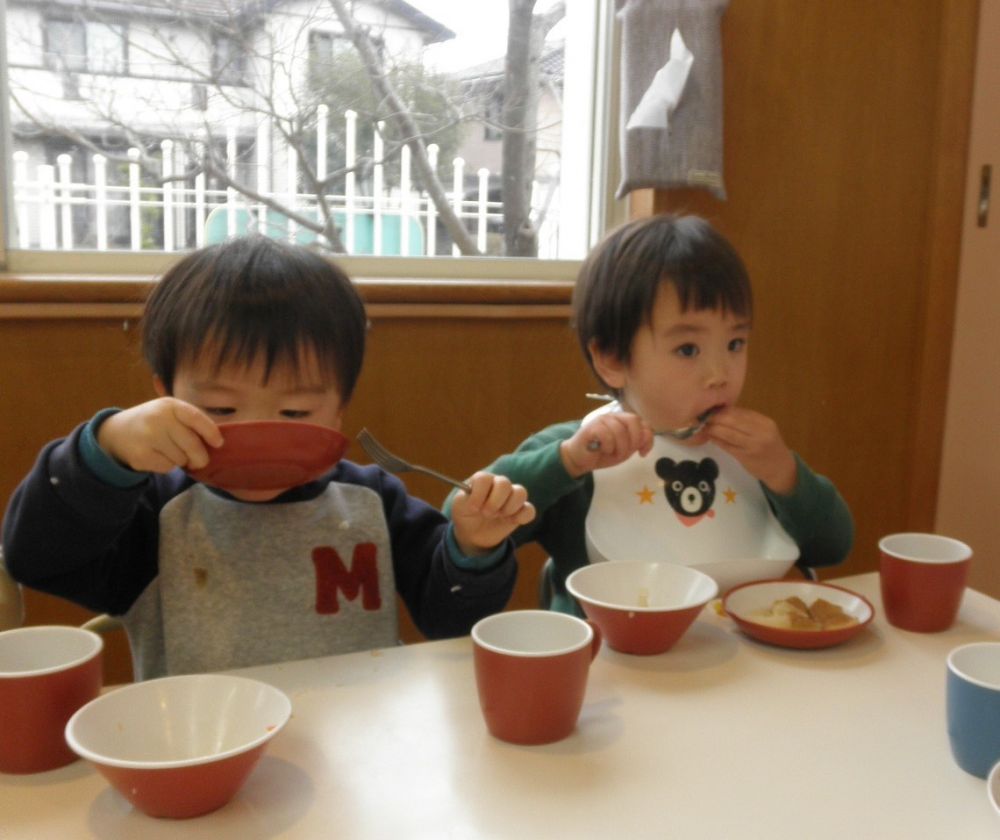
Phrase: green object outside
[217,230]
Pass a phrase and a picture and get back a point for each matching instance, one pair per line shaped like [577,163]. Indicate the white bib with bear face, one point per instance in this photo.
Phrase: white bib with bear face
[692,505]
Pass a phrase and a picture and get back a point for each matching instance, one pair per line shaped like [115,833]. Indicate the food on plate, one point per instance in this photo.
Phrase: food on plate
[794,614]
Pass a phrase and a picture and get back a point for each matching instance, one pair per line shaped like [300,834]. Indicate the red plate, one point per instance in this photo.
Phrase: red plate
[741,602]
[271,455]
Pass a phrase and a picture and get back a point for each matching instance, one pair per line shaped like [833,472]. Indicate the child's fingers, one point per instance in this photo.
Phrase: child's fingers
[496,497]
[640,434]
[604,437]
[480,485]
[199,422]
[509,498]
[646,440]
[157,462]
[186,446]
[619,435]
[524,515]
[499,494]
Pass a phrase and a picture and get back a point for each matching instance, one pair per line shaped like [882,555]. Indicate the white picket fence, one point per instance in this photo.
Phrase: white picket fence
[391,221]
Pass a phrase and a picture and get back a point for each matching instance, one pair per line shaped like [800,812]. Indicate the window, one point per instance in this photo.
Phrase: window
[493,114]
[84,46]
[324,48]
[199,97]
[202,116]
[106,47]
[65,44]
[228,60]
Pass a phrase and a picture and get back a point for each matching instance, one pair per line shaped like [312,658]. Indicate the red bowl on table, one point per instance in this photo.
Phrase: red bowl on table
[642,608]
[179,746]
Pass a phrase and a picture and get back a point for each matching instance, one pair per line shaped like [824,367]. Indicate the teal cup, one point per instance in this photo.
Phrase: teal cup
[973,706]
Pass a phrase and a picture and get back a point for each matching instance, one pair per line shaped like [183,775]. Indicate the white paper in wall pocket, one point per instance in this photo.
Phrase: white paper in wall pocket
[664,92]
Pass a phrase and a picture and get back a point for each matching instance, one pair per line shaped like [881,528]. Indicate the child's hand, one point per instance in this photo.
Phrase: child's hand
[755,441]
[158,435]
[486,517]
[605,441]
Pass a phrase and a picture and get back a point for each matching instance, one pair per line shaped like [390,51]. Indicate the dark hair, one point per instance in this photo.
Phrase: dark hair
[250,296]
[617,285]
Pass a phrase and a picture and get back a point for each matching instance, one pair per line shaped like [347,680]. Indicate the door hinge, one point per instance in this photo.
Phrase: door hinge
[983,210]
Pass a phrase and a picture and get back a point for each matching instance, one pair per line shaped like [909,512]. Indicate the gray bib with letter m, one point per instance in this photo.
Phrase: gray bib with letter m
[245,584]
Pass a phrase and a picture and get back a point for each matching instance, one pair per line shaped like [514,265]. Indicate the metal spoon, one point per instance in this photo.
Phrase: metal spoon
[690,431]
[682,433]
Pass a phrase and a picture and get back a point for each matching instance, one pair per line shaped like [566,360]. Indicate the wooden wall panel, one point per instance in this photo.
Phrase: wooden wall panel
[53,374]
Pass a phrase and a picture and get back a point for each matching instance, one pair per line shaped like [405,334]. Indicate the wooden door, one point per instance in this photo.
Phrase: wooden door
[970,472]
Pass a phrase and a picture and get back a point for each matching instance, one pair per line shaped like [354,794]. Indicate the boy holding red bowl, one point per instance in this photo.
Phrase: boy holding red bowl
[204,579]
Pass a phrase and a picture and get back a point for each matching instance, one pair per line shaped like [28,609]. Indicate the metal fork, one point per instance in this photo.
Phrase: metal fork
[394,464]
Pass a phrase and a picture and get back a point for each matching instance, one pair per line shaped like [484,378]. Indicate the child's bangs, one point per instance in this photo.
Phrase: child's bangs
[714,288]
[271,341]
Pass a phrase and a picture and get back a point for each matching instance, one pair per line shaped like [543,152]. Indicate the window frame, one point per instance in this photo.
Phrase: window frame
[55,60]
[606,211]
[121,36]
[228,64]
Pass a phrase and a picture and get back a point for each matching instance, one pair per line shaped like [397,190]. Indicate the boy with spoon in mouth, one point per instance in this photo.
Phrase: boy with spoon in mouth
[671,467]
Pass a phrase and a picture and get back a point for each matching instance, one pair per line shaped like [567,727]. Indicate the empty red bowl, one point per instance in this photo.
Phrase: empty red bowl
[641,608]
[271,455]
[179,746]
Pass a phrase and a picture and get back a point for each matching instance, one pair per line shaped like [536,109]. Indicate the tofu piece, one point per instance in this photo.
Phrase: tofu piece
[831,616]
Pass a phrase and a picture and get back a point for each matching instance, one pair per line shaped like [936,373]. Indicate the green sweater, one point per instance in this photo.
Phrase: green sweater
[814,514]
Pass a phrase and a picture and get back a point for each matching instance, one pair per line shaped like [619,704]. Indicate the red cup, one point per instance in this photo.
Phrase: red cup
[46,674]
[922,577]
[531,673]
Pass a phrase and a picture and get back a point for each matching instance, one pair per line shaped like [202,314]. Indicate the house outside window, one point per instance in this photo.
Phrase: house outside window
[210,114]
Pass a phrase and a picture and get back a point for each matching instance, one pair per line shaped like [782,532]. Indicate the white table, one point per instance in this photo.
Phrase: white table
[721,737]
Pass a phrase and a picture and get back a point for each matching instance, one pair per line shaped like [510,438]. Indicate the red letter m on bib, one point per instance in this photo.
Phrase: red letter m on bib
[332,575]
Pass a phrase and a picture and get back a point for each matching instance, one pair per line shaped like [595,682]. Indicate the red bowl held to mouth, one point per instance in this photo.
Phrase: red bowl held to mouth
[271,455]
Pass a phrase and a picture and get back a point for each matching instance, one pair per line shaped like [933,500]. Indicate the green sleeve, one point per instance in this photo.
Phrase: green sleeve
[561,503]
[537,466]
[816,516]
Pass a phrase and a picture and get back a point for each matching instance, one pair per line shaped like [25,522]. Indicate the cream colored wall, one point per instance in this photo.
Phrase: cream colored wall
[969,494]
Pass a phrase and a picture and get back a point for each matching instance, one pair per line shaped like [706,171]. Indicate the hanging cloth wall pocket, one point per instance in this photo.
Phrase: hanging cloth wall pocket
[671,98]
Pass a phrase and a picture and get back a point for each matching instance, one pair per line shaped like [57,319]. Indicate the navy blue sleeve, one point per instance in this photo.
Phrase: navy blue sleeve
[68,533]
[443,599]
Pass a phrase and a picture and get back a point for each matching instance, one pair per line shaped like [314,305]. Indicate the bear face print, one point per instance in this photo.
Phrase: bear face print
[689,486]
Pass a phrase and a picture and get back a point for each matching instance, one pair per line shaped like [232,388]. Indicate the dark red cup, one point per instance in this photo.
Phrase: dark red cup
[531,673]
[46,674]
[923,578]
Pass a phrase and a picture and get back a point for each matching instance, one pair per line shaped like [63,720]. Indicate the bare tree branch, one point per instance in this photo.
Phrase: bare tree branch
[407,127]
